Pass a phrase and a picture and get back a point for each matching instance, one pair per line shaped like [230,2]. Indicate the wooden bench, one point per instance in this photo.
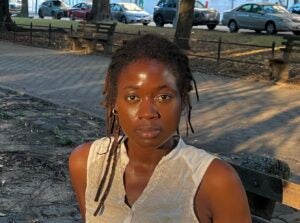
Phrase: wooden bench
[89,35]
[264,190]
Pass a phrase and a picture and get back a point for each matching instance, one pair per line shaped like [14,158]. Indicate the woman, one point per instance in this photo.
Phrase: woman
[142,171]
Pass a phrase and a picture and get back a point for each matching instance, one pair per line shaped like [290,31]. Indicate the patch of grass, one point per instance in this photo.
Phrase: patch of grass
[55,23]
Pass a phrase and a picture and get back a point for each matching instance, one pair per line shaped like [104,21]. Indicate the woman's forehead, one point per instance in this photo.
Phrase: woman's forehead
[147,72]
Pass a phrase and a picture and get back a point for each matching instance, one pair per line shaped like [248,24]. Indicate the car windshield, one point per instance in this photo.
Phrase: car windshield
[60,4]
[274,9]
[199,5]
[131,7]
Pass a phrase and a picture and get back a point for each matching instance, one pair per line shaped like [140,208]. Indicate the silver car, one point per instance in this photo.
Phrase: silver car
[261,16]
[129,13]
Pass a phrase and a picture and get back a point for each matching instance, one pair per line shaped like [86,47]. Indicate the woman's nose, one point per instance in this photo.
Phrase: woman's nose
[148,110]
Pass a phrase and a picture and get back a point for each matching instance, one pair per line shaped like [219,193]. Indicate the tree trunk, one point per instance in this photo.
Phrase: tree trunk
[184,24]
[24,8]
[5,19]
[100,10]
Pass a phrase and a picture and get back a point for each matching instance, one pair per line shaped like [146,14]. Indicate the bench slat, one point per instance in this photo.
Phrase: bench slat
[93,33]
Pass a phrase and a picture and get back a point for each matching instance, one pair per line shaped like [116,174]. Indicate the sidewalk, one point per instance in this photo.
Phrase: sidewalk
[231,116]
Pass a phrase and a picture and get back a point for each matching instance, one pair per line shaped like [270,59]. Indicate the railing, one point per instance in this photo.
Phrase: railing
[49,32]
[32,31]
[220,57]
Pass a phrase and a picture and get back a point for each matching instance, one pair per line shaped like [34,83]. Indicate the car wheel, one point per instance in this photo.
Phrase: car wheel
[53,15]
[71,16]
[233,28]
[211,26]
[59,15]
[271,28]
[123,20]
[296,33]
[257,31]
[159,21]
[145,23]
[41,14]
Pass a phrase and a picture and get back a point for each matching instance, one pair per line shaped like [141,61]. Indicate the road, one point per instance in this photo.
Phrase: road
[219,28]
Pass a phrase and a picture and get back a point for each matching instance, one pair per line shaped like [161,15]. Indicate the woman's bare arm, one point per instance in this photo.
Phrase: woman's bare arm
[224,195]
[78,170]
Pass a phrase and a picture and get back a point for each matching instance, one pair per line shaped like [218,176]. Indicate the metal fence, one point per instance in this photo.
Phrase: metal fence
[34,34]
[220,55]
[45,36]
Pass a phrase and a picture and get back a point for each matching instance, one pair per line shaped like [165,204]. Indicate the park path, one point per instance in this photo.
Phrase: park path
[232,115]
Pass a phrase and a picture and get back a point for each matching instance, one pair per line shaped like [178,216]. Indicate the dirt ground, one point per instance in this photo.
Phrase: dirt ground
[36,138]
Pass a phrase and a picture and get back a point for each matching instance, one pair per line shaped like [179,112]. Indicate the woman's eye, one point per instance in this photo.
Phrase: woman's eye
[164,97]
[132,98]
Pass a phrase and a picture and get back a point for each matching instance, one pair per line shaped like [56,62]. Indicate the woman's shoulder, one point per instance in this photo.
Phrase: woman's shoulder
[194,154]
[79,156]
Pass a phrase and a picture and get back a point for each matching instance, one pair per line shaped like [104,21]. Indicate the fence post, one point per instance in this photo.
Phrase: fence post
[219,50]
[14,30]
[30,33]
[49,32]
[273,49]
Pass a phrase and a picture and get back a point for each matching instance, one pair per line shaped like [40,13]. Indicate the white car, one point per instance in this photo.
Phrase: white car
[15,7]
[261,16]
[129,13]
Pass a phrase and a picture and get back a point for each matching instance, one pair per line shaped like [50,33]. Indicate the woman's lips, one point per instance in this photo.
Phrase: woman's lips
[148,133]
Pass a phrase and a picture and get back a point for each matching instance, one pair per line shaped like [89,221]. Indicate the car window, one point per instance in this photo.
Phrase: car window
[199,5]
[57,3]
[256,8]
[245,8]
[131,7]
[76,6]
[162,3]
[274,9]
[116,8]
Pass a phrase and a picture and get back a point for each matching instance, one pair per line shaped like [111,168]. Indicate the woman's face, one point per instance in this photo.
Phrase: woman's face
[148,103]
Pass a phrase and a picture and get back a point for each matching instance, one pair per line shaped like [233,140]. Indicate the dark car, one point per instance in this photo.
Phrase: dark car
[165,12]
[55,8]
[80,11]
[295,8]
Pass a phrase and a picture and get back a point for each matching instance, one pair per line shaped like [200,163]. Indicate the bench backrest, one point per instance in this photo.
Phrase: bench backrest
[97,27]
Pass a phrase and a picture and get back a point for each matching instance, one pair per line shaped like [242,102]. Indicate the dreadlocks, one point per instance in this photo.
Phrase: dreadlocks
[145,47]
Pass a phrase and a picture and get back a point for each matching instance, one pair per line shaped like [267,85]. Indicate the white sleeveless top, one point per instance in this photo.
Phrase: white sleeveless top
[168,196]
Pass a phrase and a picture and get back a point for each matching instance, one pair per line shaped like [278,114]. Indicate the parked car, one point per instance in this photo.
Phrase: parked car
[14,7]
[165,12]
[261,16]
[80,11]
[295,8]
[55,8]
[129,13]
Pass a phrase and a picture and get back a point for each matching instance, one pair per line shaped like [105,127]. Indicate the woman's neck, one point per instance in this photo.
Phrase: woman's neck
[148,156]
